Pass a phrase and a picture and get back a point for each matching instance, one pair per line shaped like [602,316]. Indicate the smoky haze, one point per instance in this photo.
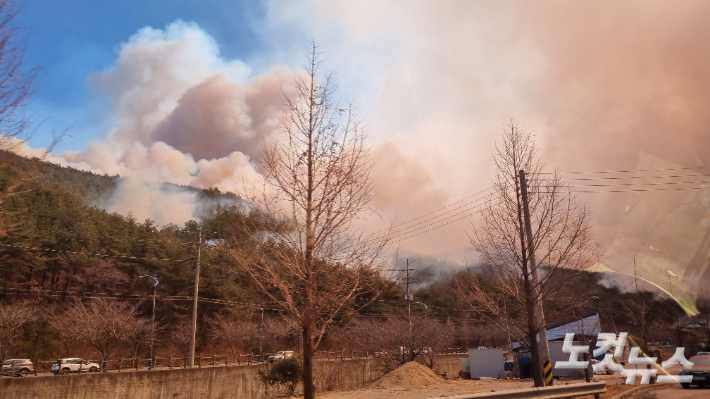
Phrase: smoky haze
[602,85]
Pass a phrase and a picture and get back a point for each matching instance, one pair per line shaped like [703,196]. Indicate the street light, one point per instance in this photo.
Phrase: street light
[425,307]
[152,320]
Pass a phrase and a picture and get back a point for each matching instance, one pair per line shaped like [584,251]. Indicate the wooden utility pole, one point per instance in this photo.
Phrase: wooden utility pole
[194,302]
[539,314]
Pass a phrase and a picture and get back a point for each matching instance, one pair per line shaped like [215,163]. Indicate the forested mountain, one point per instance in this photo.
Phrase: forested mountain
[58,249]
[60,253]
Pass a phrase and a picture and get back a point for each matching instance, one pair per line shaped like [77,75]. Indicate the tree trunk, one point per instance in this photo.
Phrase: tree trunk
[309,388]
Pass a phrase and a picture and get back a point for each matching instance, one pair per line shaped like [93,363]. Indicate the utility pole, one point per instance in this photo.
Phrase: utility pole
[539,314]
[408,297]
[261,335]
[152,320]
[194,302]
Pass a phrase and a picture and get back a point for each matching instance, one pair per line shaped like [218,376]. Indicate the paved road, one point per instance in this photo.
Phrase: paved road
[674,393]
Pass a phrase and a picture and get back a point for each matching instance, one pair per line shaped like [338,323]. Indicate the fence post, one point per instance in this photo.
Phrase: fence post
[138,362]
[120,363]
[226,359]
[37,363]
[81,366]
[199,361]
[214,359]
[12,372]
[170,363]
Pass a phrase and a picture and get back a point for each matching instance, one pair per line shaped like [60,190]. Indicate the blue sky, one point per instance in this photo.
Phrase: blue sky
[70,39]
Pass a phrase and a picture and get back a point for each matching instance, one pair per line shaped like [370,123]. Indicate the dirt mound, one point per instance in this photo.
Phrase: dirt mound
[409,375]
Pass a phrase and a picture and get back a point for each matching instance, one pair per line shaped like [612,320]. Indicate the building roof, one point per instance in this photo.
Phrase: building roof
[587,324]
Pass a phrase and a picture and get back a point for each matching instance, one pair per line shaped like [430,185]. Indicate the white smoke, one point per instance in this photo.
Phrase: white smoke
[182,114]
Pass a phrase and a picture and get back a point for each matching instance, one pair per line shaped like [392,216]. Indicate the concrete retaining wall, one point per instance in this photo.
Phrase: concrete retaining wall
[209,382]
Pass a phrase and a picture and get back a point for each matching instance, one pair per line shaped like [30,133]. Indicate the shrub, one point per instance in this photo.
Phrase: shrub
[286,372]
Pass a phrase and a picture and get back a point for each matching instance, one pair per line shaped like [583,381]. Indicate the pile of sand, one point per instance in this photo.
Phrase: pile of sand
[409,375]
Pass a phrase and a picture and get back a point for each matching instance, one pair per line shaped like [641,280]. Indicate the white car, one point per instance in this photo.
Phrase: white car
[281,355]
[74,365]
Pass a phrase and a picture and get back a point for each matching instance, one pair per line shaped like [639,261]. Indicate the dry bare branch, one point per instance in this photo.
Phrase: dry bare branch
[306,257]
[561,234]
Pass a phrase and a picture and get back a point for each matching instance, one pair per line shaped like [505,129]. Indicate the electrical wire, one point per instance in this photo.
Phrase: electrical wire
[89,254]
[620,171]
[436,222]
[433,212]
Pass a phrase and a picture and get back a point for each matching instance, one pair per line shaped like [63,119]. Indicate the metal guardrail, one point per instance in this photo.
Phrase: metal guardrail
[553,392]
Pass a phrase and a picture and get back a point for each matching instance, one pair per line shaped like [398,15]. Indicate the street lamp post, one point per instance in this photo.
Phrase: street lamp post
[152,320]
[425,307]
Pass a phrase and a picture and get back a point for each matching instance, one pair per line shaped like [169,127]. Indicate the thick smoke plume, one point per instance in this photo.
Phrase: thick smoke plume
[182,114]
[601,85]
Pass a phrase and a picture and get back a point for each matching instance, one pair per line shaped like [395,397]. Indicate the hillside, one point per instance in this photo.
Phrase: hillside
[56,249]
[91,187]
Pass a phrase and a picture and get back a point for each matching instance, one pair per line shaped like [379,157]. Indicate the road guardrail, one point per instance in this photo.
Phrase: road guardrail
[553,392]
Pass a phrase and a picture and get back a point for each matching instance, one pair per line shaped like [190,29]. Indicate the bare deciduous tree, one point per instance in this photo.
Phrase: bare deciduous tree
[561,236]
[105,324]
[16,82]
[239,335]
[637,306]
[308,259]
[180,336]
[12,318]
[427,337]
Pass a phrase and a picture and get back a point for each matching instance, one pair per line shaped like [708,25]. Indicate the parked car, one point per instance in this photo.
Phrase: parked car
[281,355]
[399,350]
[700,371]
[74,365]
[23,367]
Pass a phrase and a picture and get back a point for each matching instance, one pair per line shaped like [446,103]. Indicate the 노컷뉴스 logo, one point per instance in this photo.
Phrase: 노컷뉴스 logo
[607,341]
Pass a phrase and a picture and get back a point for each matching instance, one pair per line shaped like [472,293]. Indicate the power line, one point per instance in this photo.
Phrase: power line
[88,254]
[621,171]
[629,184]
[433,212]
[438,224]
[629,177]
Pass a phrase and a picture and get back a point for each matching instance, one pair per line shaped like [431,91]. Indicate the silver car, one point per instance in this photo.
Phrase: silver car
[22,367]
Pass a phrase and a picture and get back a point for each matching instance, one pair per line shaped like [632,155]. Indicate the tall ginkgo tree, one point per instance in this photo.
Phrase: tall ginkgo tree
[306,256]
